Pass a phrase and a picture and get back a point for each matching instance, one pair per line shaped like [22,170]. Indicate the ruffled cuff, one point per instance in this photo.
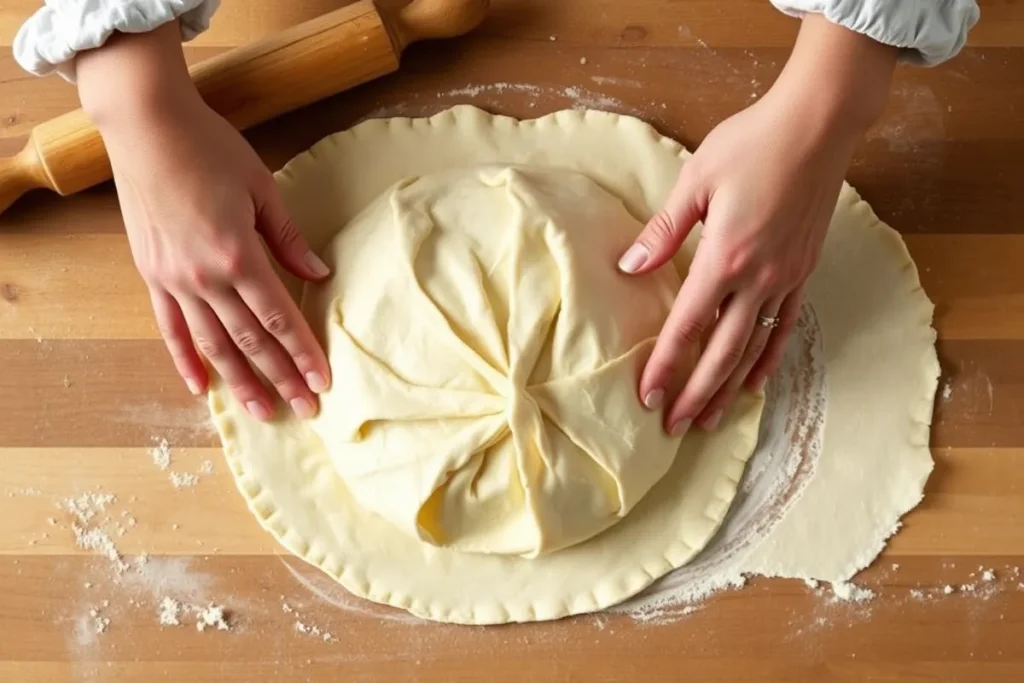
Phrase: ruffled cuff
[928,32]
[51,38]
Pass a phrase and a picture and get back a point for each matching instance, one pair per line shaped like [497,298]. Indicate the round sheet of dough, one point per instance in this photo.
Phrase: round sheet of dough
[487,352]
[295,489]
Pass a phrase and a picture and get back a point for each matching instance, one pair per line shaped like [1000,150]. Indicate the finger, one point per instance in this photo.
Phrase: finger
[723,353]
[265,353]
[692,314]
[666,231]
[283,238]
[174,330]
[213,342]
[278,314]
[723,398]
[770,359]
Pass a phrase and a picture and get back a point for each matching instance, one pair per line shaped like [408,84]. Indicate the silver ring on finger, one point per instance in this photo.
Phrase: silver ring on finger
[769,321]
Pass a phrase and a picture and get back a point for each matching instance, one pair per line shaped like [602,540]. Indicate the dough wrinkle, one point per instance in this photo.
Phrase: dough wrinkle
[294,463]
[491,449]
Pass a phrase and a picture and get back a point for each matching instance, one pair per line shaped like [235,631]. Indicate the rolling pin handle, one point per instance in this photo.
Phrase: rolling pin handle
[431,19]
[19,174]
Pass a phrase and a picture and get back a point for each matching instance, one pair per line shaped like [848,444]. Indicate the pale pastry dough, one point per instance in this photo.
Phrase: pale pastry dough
[291,484]
[487,352]
[879,352]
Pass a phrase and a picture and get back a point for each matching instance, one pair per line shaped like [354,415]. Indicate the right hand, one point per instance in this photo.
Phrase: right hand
[196,199]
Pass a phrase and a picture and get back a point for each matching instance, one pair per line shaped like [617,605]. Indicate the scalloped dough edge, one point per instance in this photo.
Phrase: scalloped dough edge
[764,559]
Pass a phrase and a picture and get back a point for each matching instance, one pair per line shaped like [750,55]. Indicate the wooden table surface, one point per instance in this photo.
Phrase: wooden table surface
[86,388]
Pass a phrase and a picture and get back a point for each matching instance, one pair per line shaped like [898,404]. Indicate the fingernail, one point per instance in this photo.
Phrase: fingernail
[316,382]
[711,423]
[258,410]
[302,408]
[317,265]
[634,258]
[654,398]
[680,427]
[193,387]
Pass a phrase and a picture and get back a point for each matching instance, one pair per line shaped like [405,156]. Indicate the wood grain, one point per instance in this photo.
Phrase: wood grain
[973,507]
[86,387]
[974,277]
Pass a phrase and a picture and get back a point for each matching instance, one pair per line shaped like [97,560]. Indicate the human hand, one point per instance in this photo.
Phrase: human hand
[196,199]
[765,184]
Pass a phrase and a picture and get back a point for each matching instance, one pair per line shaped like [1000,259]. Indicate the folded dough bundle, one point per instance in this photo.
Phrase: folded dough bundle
[486,354]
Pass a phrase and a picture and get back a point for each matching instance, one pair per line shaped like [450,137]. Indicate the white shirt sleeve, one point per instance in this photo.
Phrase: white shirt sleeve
[928,31]
[51,38]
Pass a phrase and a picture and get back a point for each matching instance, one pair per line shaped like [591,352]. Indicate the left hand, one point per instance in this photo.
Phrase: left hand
[765,183]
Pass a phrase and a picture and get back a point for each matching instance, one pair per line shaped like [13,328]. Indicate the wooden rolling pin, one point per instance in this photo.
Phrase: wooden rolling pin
[251,84]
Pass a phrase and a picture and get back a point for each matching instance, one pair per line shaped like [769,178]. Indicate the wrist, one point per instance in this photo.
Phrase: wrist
[135,78]
[836,81]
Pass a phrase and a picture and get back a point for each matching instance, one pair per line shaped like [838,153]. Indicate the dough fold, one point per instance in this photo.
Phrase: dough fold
[486,354]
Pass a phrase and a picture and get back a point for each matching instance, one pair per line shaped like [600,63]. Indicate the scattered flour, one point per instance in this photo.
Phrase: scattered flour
[181,480]
[304,628]
[811,583]
[988,575]
[161,454]
[99,622]
[313,631]
[849,592]
[170,611]
[663,608]
[581,97]
[87,505]
[948,590]
[211,616]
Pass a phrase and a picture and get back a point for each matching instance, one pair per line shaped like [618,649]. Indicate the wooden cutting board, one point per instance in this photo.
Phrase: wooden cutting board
[86,388]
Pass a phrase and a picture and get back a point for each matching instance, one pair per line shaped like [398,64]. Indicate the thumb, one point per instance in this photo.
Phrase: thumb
[284,240]
[666,231]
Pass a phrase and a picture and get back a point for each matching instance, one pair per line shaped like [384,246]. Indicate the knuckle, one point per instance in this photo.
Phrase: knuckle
[732,355]
[214,349]
[287,387]
[170,331]
[735,263]
[771,277]
[288,235]
[688,331]
[757,346]
[661,227]
[304,359]
[189,278]
[242,389]
[249,342]
[232,261]
[276,323]
[692,405]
